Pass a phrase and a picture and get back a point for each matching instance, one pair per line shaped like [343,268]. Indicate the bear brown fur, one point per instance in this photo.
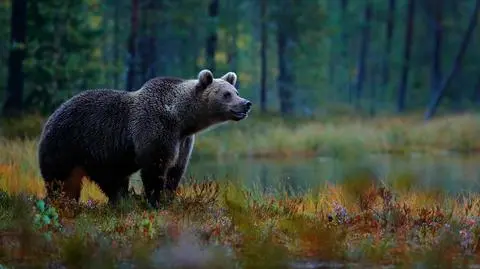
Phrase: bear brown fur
[108,134]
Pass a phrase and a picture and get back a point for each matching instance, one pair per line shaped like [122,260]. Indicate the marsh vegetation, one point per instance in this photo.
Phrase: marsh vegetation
[300,205]
[362,149]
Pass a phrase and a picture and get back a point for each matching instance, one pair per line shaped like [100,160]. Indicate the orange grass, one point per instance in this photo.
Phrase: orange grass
[392,223]
[15,181]
[299,226]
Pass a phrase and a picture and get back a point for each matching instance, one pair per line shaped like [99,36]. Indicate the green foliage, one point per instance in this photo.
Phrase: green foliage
[75,46]
[348,140]
[63,56]
[4,43]
[245,228]
[46,219]
[86,251]
[24,127]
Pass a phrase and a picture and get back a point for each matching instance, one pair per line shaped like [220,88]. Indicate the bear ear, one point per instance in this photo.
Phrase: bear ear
[205,78]
[230,77]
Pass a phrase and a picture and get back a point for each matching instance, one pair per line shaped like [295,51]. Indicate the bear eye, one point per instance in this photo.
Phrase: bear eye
[227,95]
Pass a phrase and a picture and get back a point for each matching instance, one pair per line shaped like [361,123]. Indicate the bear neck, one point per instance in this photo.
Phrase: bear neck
[190,120]
[178,103]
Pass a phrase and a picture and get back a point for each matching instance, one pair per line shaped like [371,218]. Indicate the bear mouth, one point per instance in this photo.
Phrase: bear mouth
[238,115]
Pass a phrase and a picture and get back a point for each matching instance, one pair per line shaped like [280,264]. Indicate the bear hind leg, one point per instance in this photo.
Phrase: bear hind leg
[53,189]
[73,186]
[68,183]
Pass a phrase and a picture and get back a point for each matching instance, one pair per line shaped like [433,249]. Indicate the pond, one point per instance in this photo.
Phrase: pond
[449,173]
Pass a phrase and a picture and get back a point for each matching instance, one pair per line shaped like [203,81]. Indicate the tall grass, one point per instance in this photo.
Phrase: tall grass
[272,136]
[224,225]
[213,225]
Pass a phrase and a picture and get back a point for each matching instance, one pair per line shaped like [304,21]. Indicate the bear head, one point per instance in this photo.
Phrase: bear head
[220,98]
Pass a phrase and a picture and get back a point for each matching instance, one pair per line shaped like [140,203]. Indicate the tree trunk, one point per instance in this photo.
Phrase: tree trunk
[476,93]
[374,70]
[332,61]
[131,58]
[346,86]
[105,43]
[212,36]
[437,97]
[195,52]
[402,89]
[436,75]
[156,7]
[233,50]
[388,43]
[285,77]
[361,69]
[263,56]
[116,30]
[15,80]
[143,41]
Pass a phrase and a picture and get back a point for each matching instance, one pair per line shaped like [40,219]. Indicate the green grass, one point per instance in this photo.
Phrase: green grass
[272,136]
[213,225]
[218,225]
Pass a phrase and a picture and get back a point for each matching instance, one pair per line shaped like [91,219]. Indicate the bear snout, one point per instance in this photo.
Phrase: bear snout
[240,110]
[247,104]
[244,105]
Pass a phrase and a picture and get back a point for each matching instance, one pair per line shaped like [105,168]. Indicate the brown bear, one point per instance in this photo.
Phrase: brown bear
[108,134]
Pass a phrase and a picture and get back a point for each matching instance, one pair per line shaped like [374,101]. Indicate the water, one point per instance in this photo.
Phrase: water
[449,173]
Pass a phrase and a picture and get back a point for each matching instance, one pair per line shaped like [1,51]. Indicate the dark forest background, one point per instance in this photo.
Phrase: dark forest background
[302,57]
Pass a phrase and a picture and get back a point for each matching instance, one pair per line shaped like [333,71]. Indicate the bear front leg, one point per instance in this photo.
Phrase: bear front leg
[154,163]
[156,150]
[118,192]
[112,184]
[153,177]
[175,173]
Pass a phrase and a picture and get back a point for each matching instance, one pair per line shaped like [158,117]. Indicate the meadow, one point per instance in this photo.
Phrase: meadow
[211,224]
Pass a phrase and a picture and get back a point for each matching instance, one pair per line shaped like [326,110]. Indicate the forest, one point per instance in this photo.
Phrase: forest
[302,58]
[361,149]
